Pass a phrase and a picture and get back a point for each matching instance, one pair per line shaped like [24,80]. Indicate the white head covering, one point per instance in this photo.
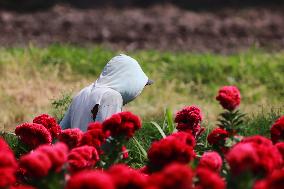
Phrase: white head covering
[123,74]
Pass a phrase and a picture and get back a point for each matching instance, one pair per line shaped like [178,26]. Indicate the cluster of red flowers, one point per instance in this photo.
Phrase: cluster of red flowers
[120,176]
[94,136]
[122,124]
[217,137]
[256,154]
[33,134]
[229,97]
[188,119]
[71,137]
[8,165]
[82,157]
[172,149]
[212,161]
[43,159]
[277,130]
[49,123]
[43,130]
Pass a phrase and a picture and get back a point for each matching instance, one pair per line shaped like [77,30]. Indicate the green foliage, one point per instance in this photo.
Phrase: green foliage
[59,106]
[231,120]
[15,144]
[260,122]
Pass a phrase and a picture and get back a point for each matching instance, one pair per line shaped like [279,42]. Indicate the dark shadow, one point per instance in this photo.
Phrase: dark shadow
[197,5]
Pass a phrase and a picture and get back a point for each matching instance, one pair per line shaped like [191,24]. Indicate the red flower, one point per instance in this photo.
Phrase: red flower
[8,165]
[7,177]
[256,158]
[209,179]
[95,125]
[36,164]
[277,130]
[258,140]
[169,150]
[280,147]
[273,181]
[33,134]
[49,123]
[7,158]
[57,154]
[188,119]
[124,152]
[71,137]
[229,97]
[184,137]
[175,176]
[212,161]
[94,136]
[82,157]
[217,137]
[125,177]
[122,124]
[242,157]
[90,180]
[22,187]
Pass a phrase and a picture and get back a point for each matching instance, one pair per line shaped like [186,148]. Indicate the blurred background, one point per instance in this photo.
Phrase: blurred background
[224,26]
[50,49]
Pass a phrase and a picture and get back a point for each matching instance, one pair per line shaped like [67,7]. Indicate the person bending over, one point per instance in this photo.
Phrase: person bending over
[120,82]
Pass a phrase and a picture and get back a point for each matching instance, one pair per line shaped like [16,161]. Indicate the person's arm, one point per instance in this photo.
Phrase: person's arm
[66,121]
[110,104]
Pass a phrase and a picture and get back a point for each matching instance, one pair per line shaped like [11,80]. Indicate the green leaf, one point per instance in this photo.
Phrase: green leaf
[171,125]
[143,151]
[159,129]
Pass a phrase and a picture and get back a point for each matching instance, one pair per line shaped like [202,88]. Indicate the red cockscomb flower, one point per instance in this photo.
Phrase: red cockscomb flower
[280,147]
[8,165]
[33,134]
[82,157]
[256,158]
[212,161]
[188,119]
[7,158]
[90,180]
[229,97]
[217,137]
[277,130]
[71,137]
[175,176]
[167,151]
[124,152]
[273,181]
[257,139]
[242,157]
[7,177]
[35,164]
[49,123]
[94,136]
[122,124]
[57,154]
[131,178]
[185,137]
[22,187]
[209,179]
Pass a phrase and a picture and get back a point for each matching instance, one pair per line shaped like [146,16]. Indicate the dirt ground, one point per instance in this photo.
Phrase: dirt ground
[159,27]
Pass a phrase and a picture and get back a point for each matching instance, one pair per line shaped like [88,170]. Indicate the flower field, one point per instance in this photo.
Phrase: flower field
[112,154]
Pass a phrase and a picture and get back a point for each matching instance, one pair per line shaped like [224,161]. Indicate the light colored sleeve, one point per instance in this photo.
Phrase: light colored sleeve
[66,121]
[111,103]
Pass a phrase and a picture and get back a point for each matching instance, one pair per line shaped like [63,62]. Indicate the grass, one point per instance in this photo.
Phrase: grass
[31,77]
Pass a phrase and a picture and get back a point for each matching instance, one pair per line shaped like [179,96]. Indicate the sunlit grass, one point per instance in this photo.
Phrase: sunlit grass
[31,77]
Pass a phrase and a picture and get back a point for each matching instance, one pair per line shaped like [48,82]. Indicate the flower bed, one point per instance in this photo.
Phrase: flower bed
[48,157]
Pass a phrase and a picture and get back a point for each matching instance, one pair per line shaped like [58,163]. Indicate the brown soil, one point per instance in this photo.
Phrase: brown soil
[159,27]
